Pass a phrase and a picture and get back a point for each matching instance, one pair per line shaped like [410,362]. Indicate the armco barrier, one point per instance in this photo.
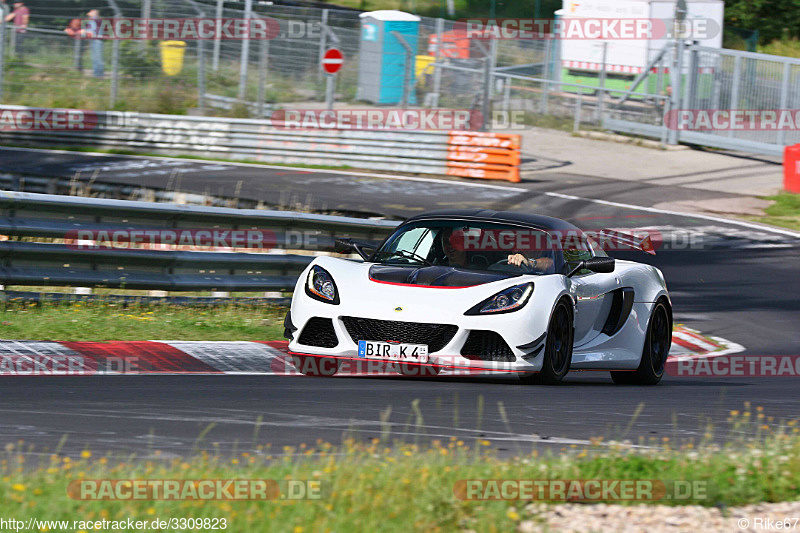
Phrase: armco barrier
[48,217]
[464,154]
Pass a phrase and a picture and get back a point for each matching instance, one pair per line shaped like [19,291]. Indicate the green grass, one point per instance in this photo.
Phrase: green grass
[783,47]
[44,80]
[387,485]
[785,212]
[99,321]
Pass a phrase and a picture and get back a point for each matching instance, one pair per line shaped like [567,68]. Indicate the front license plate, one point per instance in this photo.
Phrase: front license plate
[390,351]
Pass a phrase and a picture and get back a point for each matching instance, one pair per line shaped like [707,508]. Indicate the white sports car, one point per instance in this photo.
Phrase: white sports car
[485,291]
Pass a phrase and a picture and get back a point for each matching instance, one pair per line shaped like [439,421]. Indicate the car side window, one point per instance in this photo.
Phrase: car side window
[596,248]
[575,251]
[417,240]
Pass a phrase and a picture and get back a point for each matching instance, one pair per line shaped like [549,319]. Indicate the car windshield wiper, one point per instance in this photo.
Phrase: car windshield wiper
[408,255]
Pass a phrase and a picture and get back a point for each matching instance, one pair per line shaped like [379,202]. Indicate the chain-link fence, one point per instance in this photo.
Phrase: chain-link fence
[249,78]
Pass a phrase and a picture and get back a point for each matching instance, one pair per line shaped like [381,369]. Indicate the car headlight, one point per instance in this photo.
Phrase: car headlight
[504,301]
[320,286]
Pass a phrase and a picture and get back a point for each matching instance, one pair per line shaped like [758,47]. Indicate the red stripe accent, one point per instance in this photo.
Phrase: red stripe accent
[699,337]
[687,344]
[141,356]
[415,285]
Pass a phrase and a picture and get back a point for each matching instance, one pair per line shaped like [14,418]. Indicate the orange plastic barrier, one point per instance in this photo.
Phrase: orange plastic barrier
[791,168]
[479,138]
[475,154]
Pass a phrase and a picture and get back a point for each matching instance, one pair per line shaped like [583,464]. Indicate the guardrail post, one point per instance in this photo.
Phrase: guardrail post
[4,12]
[263,63]
[215,59]
[676,82]
[660,68]
[201,75]
[114,74]
[243,61]
[330,91]
[664,128]
[407,70]
[77,53]
[201,61]
[437,70]
[506,93]
[737,78]
[717,83]
[601,97]
[578,107]
[146,10]
[690,89]
[323,41]
[787,74]
[114,60]
[546,74]
[12,43]
[487,83]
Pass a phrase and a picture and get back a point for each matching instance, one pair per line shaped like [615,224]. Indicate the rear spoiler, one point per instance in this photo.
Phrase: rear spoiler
[626,239]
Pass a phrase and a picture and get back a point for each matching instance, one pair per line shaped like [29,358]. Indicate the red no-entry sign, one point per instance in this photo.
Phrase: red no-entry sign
[333,60]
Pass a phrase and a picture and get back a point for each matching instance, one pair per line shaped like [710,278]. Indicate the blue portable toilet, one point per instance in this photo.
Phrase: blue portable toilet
[382,58]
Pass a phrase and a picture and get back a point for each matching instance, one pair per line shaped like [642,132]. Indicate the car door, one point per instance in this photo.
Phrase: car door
[592,292]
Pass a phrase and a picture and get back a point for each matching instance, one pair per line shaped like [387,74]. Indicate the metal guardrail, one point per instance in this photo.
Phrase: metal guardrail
[127,300]
[458,153]
[44,216]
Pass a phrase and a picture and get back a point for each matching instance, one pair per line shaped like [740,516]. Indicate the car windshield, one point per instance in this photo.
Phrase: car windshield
[482,246]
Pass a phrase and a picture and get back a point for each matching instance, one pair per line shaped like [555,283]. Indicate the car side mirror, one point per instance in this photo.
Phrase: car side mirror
[343,246]
[600,265]
[348,246]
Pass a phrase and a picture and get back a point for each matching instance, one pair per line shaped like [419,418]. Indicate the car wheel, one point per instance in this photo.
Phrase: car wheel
[657,343]
[557,350]
[419,370]
[310,365]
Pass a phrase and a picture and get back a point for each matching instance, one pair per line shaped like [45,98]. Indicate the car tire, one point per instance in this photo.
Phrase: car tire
[557,350]
[310,365]
[657,343]
[419,370]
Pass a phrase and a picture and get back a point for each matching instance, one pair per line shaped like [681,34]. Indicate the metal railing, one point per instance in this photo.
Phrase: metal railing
[28,220]
[527,75]
[424,152]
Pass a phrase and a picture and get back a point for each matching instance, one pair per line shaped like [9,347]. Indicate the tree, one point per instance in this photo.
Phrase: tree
[774,19]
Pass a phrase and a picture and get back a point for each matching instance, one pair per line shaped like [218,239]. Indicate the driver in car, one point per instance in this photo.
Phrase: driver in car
[542,263]
[458,257]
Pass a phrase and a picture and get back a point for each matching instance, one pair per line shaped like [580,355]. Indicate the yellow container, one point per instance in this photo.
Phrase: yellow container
[172,57]
[422,66]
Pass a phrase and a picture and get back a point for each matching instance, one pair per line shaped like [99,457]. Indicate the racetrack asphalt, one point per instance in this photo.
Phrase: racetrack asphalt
[738,282]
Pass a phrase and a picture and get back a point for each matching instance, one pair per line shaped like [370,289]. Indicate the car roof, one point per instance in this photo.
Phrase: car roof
[536,221]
